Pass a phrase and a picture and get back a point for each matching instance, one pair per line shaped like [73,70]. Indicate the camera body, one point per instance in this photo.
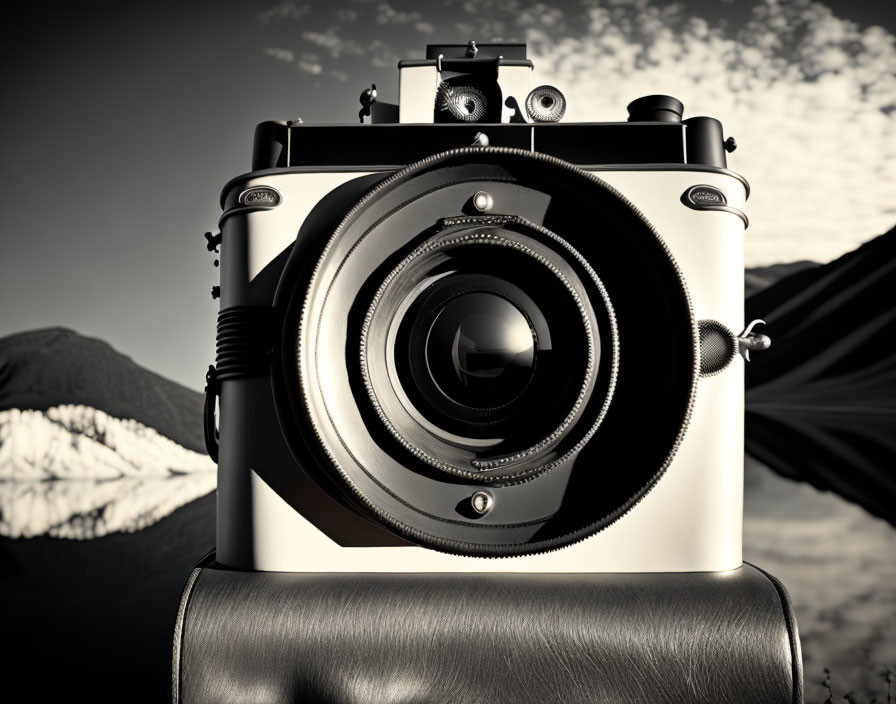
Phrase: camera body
[467,336]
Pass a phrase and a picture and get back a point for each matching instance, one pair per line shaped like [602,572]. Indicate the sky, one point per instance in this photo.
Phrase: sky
[122,121]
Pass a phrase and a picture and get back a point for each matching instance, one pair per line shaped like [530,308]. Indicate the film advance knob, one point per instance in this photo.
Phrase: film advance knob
[655,108]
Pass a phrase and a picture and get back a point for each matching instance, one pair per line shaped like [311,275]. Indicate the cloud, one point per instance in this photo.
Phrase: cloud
[810,97]
[540,15]
[334,43]
[309,62]
[487,20]
[281,54]
[284,11]
[386,14]
[312,67]
[381,54]
[347,15]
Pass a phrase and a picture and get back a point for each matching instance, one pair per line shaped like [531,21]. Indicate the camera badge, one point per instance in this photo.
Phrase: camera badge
[260,197]
[705,197]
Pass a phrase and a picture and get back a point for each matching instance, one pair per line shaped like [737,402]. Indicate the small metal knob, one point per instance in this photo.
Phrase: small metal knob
[212,241]
[472,49]
[480,139]
[367,99]
[730,144]
[482,502]
[546,104]
[749,341]
[482,201]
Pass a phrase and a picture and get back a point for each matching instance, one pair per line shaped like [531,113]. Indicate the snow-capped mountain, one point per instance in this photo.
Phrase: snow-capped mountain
[40,369]
[90,442]
[74,471]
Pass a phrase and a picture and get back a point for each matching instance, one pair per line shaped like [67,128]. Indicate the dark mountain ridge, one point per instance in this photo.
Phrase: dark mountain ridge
[760,277]
[55,366]
[821,403]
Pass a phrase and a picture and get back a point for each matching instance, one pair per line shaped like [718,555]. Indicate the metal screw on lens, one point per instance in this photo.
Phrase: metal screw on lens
[749,341]
[482,502]
[480,139]
[482,201]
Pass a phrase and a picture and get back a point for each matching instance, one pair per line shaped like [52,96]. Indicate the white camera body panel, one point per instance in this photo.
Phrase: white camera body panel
[689,521]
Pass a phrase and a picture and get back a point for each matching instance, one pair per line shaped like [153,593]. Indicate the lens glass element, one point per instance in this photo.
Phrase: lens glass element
[480,350]
[488,347]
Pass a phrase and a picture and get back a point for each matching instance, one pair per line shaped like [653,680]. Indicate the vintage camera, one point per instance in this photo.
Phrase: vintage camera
[465,329]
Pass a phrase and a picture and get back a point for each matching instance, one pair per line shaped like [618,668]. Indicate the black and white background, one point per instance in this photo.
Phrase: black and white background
[121,121]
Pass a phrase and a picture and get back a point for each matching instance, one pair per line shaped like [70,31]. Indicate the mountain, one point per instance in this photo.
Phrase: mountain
[761,277]
[76,472]
[92,444]
[821,403]
[56,366]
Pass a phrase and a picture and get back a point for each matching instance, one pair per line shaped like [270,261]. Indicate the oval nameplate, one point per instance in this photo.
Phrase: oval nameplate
[260,196]
[704,197]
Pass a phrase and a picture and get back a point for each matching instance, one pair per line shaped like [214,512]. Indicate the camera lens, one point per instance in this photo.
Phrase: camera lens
[480,350]
[545,353]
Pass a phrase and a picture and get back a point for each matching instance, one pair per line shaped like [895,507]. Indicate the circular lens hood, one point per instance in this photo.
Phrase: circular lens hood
[583,426]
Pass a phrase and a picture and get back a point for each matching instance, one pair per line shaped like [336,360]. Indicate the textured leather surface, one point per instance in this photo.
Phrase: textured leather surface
[724,638]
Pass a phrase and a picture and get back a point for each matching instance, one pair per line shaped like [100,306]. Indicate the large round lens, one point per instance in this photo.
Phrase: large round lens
[434,359]
[481,336]
[480,350]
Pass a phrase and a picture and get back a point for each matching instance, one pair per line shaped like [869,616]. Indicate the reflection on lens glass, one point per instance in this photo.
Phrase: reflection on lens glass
[480,350]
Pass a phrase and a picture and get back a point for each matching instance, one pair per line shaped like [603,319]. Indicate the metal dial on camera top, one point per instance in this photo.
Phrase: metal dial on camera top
[464,103]
[546,104]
